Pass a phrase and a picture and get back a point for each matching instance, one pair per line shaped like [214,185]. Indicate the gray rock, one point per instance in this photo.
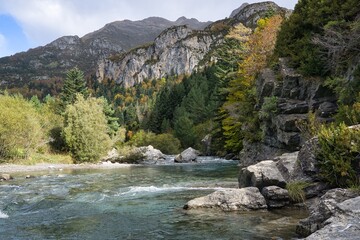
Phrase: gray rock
[188,155]
[151,155]
[260,175]
[5,177]
[306,165]
[287,122]
[244,199]
[253,153]
[275,196]
[286,163]
[287,106]
[322,210]
[344,224]
[327,109]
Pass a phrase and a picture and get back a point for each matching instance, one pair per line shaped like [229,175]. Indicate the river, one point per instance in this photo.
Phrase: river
[140,202]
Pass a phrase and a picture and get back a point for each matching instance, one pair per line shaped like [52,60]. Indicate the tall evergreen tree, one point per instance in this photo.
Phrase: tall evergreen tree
[73,84]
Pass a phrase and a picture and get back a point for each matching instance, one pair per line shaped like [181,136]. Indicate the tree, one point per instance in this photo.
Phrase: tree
[85,130]
[239,118]
[74,84]
[20,128]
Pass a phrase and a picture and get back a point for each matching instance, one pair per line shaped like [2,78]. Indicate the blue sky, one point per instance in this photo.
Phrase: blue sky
[27,24]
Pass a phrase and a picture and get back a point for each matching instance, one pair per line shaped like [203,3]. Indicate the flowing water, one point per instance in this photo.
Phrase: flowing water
[141,202]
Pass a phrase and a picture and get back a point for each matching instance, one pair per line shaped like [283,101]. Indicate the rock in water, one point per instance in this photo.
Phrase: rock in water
[260,175]
[243,199]
[5,177]
[188,155]
[276,197]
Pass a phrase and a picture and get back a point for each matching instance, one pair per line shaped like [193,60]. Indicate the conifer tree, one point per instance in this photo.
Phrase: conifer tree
[73,84]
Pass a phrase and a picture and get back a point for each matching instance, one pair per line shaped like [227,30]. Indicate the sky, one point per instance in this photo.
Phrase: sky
[27,24]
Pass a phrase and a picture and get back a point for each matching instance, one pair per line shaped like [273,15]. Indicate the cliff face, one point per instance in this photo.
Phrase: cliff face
[295,96]
[57,57]
[177,50]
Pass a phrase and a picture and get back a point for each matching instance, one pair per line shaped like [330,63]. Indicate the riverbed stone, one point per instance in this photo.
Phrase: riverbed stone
[275,196]
[5,177]
[188,155]
[260,175]
[244,199]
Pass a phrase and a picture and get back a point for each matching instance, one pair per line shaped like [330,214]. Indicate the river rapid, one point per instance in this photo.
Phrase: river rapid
[139,202]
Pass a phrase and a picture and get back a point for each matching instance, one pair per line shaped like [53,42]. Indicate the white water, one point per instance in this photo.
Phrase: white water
[3,215]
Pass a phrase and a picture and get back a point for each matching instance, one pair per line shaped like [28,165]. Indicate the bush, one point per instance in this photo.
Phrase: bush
[166,143]
[269,108]
[20,128]
[338,154]
[85,130]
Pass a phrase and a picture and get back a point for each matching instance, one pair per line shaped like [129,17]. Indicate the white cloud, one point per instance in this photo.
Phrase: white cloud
[45,20]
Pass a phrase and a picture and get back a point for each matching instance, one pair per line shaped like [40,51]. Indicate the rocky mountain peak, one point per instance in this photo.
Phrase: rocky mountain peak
[236,11]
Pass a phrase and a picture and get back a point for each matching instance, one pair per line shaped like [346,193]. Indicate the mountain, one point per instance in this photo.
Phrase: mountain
[51,61]
[178,50]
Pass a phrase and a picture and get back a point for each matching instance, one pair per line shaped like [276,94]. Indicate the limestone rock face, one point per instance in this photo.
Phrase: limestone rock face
[244,199]
[176,51]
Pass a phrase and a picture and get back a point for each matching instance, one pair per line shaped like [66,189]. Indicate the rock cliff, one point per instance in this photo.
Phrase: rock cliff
[178,50]
[55,58]
[295,97]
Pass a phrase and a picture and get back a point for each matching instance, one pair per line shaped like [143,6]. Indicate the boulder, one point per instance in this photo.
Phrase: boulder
[253,153]
[306,165]
[151,154]
[243,199]
[260,175]
[188,155]
[322,210]
[5,177]
[344,224]
[286,163]
[275,196]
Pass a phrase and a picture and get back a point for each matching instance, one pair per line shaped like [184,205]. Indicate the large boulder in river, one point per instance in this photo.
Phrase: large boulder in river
[244,199]
[261,175]
[145,155]
[188,155]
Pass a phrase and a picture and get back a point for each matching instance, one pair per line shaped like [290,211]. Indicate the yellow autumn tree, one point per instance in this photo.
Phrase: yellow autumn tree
[239,116]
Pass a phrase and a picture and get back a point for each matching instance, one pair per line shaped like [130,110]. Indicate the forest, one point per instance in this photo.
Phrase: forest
[84,119]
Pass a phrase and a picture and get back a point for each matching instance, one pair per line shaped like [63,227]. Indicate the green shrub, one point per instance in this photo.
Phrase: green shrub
[20,127]
[269,108]
[296,190]
[85,130]
[337,155]
[166,143]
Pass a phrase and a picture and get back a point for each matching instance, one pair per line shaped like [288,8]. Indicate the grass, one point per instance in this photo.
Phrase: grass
[296,190]
[37,158]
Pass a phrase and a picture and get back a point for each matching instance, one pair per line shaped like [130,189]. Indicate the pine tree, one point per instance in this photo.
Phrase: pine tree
[73,84]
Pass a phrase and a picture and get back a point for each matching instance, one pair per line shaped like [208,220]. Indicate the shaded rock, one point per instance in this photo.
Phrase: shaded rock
[260,175]
[275,196]
[286,163]
[306,168]
[323,209]
[256,152]
[151,155]
[288,106]
[188,155]
[244,199]
[5,177]
[345,224]
[327,109]
[206,141]
[287,122]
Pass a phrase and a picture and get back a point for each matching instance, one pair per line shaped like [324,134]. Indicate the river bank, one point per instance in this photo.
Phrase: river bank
[16,168]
